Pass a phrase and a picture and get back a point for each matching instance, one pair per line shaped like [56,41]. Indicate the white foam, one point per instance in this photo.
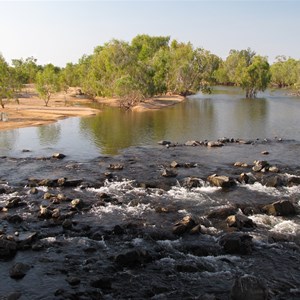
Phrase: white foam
[287,227]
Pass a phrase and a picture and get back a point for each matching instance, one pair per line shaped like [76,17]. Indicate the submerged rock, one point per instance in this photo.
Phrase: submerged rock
[236,243]
[248,287]
[133,258]
[8,247]
[18,270]
[169,173]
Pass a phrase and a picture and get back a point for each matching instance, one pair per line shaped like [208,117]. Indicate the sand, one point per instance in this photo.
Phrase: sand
[31,110]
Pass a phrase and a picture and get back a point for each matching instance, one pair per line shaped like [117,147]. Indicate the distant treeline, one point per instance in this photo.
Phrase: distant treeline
[150,66]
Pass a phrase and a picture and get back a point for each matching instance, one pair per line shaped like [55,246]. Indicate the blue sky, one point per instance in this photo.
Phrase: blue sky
[63,31]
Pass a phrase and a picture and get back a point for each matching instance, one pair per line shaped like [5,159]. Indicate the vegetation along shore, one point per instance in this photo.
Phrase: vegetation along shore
[143,74]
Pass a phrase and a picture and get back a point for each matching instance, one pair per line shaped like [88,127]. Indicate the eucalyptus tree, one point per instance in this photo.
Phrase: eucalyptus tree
[47,82]
[284,72]
[10,82]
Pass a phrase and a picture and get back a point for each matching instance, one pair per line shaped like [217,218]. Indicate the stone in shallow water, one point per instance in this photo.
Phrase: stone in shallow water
[18,270]
[248,287]
[221,181]
[280,208]
[236,243]
[58,155]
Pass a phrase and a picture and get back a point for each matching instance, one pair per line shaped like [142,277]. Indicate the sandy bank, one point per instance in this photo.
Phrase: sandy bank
[31,111]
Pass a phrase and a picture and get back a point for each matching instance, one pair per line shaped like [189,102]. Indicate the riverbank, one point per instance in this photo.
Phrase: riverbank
[31,111]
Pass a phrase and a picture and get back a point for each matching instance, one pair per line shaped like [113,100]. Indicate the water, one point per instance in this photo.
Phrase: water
[181,267]
[224,113]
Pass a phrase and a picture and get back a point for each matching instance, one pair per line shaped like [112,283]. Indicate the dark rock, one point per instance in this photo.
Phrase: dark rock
[192,182]
[13,202]
[13,296]
[72,280]
[25,239]
[133,258]
[265,152]
[168,173]
[240,221]
[67,224]
[236,243]
[72,182]
[214,144]
[101,283]
[118,230]
[221,181]
[58,155]
[272,181]
[14,219]
[247,178]
[187,268]
[248,287]
[186,224]
[2,190]
[18,270]
[280,208]
[259,165]
[293,180]
[222,213]
[44,213]
[8,248]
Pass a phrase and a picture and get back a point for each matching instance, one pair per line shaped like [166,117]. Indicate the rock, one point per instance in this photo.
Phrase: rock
[18,270]
[169,173]
[14,219]
[13,296]
[222,213]
[34,191]
[77,203]
[247,178]
[25,239]
[248,287]
[293,180]
[55,213]
[186,224]
[45,213]
[241,164]
[236,243]
[272,181]
[280,208]
[71,182]
[192,143]
[259,165]
[244,142]
[115,167]
[13,202]
[265,152]
[58,155]
[221,181]
[8,248]
[72,280]
[240,221]
[174,164]
[48,196]
[273,169]
[67,224]
[118,230]
[164,143]
[192,182]
[101,283]
[133,258]
[214,144]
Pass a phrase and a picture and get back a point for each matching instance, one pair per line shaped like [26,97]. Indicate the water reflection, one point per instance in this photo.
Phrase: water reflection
[8,139]
[49,135]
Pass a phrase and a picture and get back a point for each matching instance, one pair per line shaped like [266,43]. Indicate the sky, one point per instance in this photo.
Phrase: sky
[59,32]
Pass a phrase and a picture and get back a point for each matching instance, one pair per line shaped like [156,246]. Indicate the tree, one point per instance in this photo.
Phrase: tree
[256,76]
[26,70]
[10,83]
[47,82]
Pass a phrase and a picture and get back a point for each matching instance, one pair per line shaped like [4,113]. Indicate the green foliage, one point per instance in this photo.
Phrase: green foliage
[285,72]
[10,83]
[47,82]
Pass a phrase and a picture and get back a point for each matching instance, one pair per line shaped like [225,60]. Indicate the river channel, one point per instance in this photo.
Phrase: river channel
[225,113]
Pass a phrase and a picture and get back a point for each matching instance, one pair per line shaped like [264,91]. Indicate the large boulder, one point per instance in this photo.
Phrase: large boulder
[236,243]
[272,181]
[221,181]
[248,287]
[280,208]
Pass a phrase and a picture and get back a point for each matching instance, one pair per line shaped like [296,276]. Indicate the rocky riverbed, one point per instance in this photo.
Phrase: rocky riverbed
[199,220]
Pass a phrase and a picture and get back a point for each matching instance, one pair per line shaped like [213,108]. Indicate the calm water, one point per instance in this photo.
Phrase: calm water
[224,113]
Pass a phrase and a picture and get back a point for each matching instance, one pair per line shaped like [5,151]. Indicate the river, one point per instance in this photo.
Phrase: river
[225,113]
[100,222]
